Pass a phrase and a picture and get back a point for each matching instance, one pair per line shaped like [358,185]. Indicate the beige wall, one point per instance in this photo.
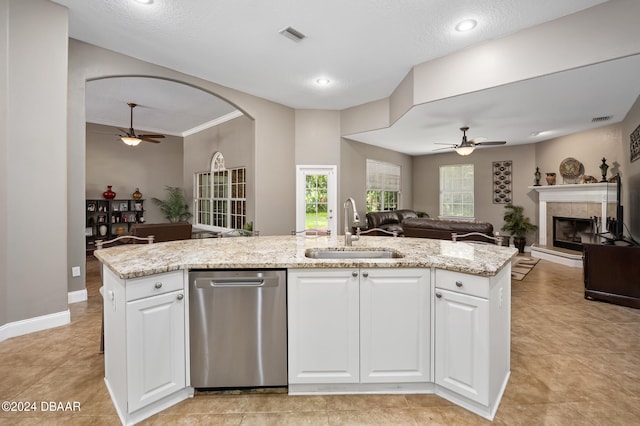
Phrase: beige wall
[4,142]
[588,147]
[631,188]
[353,163]
[274,126]
[426,181]
[33,160]
[148,166]
[317,137]
[235,140]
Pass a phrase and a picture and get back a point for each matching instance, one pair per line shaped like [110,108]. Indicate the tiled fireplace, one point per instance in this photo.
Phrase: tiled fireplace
[576,201]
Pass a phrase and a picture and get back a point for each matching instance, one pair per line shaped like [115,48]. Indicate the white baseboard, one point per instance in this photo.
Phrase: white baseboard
[567,259]
[77,296]
[31,325]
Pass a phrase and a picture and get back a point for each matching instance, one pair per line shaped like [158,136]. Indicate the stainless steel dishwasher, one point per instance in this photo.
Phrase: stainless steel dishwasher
[238,328]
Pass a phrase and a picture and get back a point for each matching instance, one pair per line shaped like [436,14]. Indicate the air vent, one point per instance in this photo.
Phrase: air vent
[292,33]
[601,119]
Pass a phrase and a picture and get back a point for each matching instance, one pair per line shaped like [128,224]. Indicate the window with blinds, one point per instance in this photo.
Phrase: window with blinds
[456,191]
[383,186]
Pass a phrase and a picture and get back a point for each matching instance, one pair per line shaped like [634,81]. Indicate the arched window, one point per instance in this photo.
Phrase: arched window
[217,162]
[220,196]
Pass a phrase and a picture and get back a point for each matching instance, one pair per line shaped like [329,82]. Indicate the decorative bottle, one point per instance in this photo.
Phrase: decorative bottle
[109,194]
[137,195]
[603,169]
[537,176]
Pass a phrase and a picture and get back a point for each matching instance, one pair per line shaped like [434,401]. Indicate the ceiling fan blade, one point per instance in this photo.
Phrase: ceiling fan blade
[491,143]
[439,143]
[151,136]
[146,139]
[478,140]
[447,147]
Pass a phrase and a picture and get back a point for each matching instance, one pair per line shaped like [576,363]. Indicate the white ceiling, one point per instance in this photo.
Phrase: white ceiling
[162,106]
[365,47]
[555,105]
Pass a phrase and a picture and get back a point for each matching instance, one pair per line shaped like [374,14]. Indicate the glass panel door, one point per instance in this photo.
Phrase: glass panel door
[316,198]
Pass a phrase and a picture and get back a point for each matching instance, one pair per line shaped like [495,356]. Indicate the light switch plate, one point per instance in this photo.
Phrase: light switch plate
[75,271]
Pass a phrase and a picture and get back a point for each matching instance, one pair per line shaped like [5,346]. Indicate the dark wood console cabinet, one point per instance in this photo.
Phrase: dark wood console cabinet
[612,274]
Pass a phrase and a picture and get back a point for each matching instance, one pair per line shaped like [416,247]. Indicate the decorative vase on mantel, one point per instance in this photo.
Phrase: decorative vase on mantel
[551,178]
[137,195]
[537,176]
[109,194]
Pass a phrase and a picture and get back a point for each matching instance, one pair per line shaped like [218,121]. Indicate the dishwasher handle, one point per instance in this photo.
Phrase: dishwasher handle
[230,282]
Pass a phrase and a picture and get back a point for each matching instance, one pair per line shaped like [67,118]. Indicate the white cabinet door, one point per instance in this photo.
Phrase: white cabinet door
[462,344]
[155,348]
[323,326]
[394,325]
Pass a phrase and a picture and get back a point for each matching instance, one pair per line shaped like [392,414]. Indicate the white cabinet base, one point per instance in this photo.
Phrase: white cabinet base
[151,409]
[486,411]
[361,388]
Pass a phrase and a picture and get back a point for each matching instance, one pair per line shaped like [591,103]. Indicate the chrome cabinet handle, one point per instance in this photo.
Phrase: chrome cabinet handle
[180,296]
[459,283]
[438,294]
[354,274]
[365,274]
[158,284]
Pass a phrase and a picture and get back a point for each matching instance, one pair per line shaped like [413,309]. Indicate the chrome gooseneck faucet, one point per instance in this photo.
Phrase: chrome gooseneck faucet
[348,235]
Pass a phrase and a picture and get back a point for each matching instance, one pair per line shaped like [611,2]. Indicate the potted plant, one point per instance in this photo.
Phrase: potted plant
[518,225]
[175,208]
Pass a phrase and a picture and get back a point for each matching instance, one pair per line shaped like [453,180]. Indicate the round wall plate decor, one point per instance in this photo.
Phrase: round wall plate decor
[570,168]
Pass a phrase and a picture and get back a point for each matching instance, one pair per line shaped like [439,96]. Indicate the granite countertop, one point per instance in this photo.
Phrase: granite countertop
[138,260]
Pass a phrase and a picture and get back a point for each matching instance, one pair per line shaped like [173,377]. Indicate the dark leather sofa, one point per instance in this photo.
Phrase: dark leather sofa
[389,221]
[442,229]
[163,231]
[407,223]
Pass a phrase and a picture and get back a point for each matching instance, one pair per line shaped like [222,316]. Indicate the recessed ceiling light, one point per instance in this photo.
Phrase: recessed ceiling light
[323,82]
[145,1]
[466,25]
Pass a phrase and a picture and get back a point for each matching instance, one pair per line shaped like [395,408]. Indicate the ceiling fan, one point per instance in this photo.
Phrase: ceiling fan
[466,147]
[130,137]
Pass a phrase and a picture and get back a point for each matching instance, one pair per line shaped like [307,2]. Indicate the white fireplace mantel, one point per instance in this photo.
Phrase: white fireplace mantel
[602,193]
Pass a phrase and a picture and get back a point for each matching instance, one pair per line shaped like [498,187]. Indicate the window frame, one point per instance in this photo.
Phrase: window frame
[456,189]
[223,193]
[386,188]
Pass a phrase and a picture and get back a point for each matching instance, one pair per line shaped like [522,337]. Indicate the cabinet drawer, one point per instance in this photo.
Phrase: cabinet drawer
[152,285]
[472,285]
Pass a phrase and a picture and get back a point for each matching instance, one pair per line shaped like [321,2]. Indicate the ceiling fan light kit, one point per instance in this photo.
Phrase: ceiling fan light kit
[465,150]
[467,146]
[130,141]
[130,137]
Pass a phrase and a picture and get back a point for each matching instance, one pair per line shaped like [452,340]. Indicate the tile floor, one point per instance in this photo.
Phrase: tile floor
[574,362]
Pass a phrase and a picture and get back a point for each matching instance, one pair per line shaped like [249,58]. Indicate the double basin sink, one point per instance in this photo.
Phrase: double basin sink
[351,253]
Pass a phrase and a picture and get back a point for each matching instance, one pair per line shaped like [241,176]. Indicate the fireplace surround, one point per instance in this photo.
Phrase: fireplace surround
[571,200]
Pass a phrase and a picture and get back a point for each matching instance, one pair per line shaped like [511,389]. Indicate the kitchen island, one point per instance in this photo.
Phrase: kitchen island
[434,317]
